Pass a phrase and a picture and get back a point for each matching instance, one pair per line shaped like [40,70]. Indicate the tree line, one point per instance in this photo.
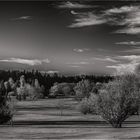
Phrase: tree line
[48,80]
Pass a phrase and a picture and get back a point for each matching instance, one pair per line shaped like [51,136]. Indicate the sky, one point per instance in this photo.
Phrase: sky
[70,37]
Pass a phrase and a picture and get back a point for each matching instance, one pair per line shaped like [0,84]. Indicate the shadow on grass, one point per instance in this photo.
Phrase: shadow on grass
[71,123]
[35,108]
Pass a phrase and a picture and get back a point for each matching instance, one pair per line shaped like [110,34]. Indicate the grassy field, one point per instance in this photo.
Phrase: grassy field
[44,119]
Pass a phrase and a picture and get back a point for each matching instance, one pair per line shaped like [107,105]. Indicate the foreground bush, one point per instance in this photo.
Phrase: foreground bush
[6,112]
[119,100]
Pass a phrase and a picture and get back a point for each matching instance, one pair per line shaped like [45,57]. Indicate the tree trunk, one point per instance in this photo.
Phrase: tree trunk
[116,125]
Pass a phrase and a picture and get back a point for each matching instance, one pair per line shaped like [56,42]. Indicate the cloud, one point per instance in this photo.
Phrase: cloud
[136,50]
[30,62]
[73,5]
[74,66]
[46,60]
[78,50]
[87,19]
[52,72]
[107,59]
[73,12]
[78,63]
[126,16]
[111,16]
[133,58]
[123,9]
[130,21]
[130,66]
[23,18]
[128,43]
[124,68]
[129,30]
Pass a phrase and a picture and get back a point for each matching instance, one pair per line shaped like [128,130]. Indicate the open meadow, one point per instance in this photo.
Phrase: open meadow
[44,119]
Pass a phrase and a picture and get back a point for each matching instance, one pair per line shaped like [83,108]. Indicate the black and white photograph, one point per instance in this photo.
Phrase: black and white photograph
[69,69]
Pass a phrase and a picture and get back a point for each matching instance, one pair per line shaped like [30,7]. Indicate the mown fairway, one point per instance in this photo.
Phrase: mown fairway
[44,119]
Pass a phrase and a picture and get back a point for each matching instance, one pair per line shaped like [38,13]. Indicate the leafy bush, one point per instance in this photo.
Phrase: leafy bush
[6,112]
[38,91]
[88,105]
[83,89]
[62,89]
[22,93]
[119,100]
[96,88]
[34,91]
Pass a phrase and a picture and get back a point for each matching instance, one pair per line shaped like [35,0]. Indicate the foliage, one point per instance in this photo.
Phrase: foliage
[6,113]
[48,80]
[38,90]
[83,89]
[119,99]
[88,105]
[22,93]
[62,89]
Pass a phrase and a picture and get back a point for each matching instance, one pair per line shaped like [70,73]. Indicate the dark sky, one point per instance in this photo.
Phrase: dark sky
[70,37]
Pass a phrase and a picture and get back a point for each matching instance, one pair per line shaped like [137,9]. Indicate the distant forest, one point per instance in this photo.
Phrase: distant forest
[48,80]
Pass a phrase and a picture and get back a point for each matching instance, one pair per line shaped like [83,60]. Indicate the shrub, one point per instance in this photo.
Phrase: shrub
[97,87]
[88,105]
[22,93]
[35,91]
[30,91]
[38,91]
[6,113]
[119,100]
[83,89]
[84,106]
[62,89]
[22,90]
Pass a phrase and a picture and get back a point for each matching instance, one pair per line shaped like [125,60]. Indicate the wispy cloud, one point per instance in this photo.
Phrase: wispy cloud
[78,63]
[78,50]
[73,5]
[108,17]
[52,72]
[123,9]
[134,58]
[107,59]
[87,19]
[135,50]
[131,43]
[74,66]
[30,62]
[131,20]
[129,30]
[73,12]
[23,18]
[126,16]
